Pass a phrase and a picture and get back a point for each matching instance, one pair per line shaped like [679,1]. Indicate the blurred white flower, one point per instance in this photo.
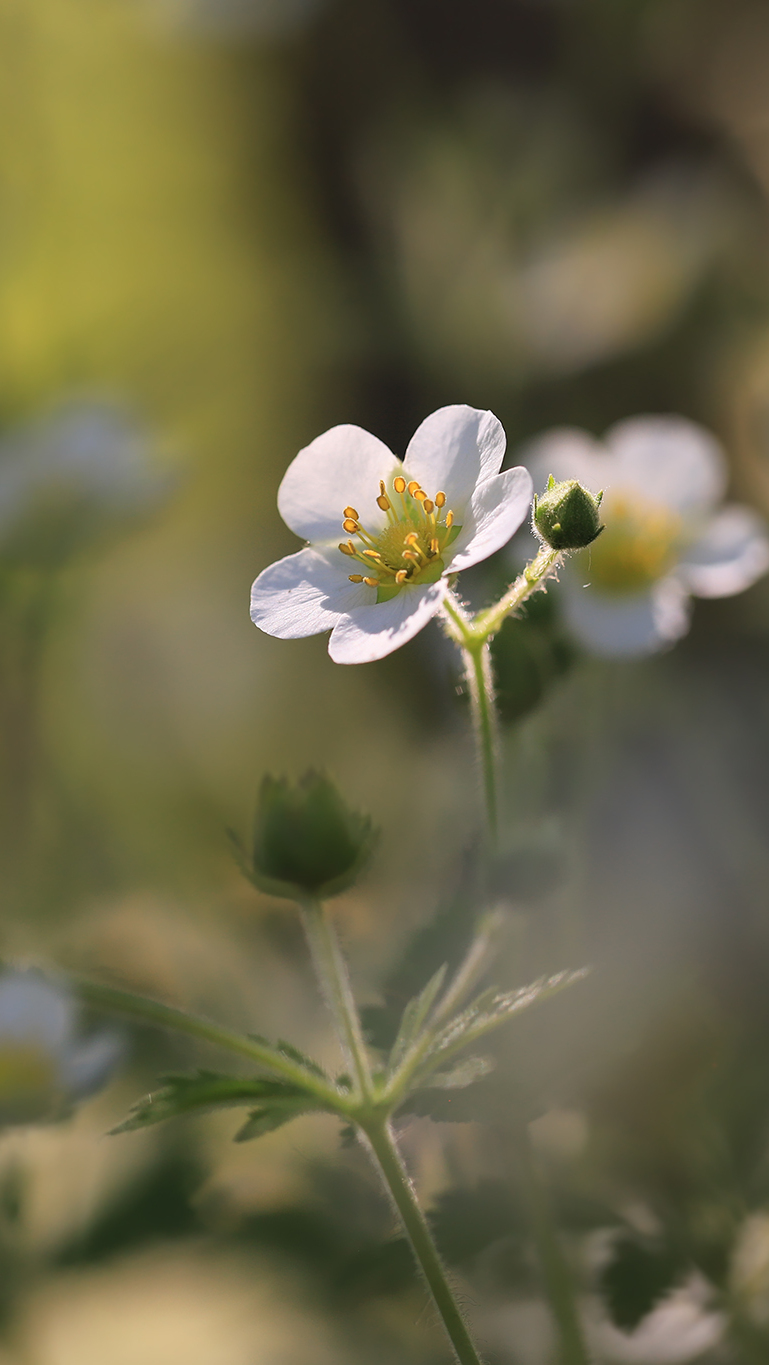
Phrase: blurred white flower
[443,508]
[44,1065]
[666,539]
[680,1328]
[68,476]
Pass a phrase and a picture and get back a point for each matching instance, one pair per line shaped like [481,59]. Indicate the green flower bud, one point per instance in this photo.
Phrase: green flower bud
[566,516]
[306,839]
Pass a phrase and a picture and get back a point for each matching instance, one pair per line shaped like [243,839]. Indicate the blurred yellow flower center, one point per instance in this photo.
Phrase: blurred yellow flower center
[639,545]
[409,549]
[25,1071]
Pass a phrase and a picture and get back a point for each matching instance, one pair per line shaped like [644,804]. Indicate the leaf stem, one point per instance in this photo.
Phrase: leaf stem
[334,980]
[389,1162]
[115,1001]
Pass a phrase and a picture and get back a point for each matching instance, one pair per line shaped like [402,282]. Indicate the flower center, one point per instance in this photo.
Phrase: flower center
[410,548]
[639,545]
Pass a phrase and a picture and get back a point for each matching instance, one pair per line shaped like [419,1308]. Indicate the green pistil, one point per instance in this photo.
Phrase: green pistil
[412,543]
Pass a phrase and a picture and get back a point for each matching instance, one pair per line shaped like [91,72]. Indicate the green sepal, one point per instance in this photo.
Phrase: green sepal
[307,840]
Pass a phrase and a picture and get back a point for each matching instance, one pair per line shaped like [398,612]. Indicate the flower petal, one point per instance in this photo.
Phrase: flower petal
[670,460]
[339,469]
[86,1067]
[454,449]
[305,593]
[497,508]
[369,633]
[627,625]
[567,453]
[729,556]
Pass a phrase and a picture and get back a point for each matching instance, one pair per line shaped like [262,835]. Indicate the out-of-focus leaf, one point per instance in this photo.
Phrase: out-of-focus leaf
[273,1115]
[465,1073]
[639,1274]
[415,1015]
[295,1055]
[203,1091]
[465,1222]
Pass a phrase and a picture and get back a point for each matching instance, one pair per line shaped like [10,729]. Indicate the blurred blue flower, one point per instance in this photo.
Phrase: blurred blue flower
[665,538]
[44,1065]
[69,477]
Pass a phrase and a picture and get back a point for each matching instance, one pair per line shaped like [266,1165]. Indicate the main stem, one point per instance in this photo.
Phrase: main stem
[558,1282]
[395,1177]
[334,980]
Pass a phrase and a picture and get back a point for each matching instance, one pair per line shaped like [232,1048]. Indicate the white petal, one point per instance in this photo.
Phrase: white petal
[86,1067]
[497,508]
[670,460]
[34,1010]
[454,449]
[339,469]
[305,593]
[370,633]
[567,453]
[627,625]
[732,553]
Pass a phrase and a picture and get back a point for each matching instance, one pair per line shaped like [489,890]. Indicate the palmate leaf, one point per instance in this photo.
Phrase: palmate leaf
[486,1013]
[415,1015]
[640,1274]
[202,1091]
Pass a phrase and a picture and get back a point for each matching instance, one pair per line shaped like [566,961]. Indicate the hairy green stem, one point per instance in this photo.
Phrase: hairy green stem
[334,981]
[555,1270]
[114,1001]
[395,1176]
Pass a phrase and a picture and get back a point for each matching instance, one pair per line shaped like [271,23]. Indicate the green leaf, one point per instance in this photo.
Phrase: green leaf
[203,1091]
[487,1012]
[639,1274]
[273,1115]
[295,1055]
[465,1073]
[414,1016]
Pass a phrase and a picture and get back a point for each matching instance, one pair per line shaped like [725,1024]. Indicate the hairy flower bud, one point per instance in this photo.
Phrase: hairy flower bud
[566,516]
[306,839]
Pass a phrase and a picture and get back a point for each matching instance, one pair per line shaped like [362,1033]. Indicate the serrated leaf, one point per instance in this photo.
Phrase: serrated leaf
[639,1274]
[465,1073]
[271,1116]
[490,1010]
[202,1091]
[415,1014]
[295,1055]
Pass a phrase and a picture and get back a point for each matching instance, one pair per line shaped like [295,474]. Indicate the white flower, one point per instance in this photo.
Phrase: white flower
[407,527]
[43,1063]
[665,539]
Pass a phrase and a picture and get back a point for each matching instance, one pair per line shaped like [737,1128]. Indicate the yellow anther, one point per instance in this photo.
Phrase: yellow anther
[399,484]
[372,554]
[371,582]
[434,546]
[409,554]
[401,576]
[356,577]
[384,502]
[428,505]
[347,547]
[412,538]
[440,499]
[449,520]
[414,488]
[350,512]
[349,525]
[420,495]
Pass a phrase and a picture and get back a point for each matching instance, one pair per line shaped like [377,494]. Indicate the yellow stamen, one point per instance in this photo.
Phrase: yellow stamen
[372,554]
[419,494]
[440,499]
[428,505]
[384,502]
[349,525]
[412,538]
[399,484]
[347,547]
[413,487]
[449,520]
[401,576]
[371,582]
[356,577]
[409,554]
[350,512]
[434,546]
